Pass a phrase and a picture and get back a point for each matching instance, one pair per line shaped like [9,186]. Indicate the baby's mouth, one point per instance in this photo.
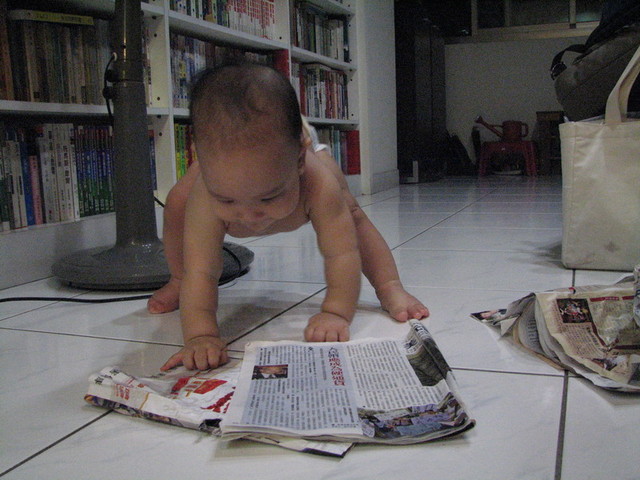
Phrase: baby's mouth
[259,226]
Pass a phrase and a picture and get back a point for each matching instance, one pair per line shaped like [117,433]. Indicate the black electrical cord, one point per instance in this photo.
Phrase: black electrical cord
[233,278]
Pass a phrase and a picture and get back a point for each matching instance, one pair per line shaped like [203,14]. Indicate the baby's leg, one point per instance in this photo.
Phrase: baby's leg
[378,264]
[166,299]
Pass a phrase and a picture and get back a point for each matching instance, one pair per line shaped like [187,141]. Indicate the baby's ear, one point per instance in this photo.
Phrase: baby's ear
[305,141]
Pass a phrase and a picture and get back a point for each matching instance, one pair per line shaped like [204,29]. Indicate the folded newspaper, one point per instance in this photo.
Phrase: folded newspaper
[592,331]
[313,397]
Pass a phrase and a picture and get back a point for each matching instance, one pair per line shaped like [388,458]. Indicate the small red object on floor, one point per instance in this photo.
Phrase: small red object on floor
[525,148]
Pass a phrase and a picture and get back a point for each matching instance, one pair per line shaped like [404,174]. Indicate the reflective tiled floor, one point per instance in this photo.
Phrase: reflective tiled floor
[462,245]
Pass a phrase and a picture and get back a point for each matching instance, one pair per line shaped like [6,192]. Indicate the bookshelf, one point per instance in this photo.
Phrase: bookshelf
[161,21]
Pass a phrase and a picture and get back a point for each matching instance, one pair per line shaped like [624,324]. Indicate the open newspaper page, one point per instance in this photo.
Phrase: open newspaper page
[375,390]
[186,398]
[595,327]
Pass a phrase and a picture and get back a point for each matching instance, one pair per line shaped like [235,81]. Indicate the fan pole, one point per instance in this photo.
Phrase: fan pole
[137,260]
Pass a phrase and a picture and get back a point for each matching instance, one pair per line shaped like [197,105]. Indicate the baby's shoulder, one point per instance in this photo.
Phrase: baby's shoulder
[318,179]
[321,188]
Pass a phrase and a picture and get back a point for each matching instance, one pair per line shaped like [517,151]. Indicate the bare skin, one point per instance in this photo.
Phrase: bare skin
[217,198]
[377,262]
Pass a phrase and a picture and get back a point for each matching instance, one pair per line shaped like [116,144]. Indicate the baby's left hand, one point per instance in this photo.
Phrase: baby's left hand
[327,327]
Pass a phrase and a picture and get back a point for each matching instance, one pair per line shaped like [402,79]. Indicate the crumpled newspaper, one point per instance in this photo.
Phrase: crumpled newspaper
[636,297]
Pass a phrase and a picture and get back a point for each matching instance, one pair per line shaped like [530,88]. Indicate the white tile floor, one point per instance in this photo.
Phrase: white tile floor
[462,245]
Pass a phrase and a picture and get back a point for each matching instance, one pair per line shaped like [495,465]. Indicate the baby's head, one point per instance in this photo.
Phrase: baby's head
[249,141]
[243,105]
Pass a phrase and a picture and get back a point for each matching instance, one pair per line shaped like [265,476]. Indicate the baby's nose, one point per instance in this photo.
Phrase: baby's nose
[251,214]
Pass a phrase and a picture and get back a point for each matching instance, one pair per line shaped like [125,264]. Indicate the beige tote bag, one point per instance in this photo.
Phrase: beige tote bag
[601,184]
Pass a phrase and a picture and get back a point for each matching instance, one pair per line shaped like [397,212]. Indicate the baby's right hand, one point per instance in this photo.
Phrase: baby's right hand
[200,353]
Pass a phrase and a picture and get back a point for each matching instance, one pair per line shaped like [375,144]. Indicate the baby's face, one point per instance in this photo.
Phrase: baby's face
[254,186]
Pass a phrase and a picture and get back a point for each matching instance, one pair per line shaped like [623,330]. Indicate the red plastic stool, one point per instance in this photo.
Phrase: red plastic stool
[524,148]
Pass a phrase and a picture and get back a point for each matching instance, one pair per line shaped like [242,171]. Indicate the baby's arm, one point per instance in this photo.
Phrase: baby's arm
[203,237]
[338,244]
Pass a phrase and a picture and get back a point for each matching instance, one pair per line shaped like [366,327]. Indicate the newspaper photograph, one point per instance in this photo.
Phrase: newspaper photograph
[596,329]
[372,390]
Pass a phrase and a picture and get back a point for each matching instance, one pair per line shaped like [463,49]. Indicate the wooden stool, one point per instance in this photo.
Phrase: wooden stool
[523,147]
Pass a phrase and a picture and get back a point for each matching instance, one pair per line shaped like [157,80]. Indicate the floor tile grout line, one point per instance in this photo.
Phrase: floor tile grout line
[275,316]
[443,220]
[507,372]
[95,337]
[62,439]
[561,428]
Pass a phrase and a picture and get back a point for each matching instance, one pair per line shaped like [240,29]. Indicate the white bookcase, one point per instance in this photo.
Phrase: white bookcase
[30,251]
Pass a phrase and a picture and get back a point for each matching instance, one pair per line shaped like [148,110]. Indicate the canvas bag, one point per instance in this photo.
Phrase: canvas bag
[601,184]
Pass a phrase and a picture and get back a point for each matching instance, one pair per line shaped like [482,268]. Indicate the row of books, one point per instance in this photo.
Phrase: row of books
[345,147]
[322,91]
[56,172]
[256,17]
[57,57]
[191,55]
[185,148]
[314,30]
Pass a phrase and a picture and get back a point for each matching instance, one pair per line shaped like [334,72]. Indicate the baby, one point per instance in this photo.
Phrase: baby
[257,174]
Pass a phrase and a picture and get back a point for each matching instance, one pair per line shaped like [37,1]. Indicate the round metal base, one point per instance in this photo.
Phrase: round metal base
[133,267]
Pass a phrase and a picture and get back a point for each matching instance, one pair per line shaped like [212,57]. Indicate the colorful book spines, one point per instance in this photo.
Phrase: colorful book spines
[185,148]
[314,30]
[345,147]
[322,91]
[55,172]
[256,17]
[191,55]
[56,57]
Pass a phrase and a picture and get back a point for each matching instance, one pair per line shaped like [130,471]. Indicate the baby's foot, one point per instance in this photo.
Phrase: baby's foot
[400,304]
[165,299]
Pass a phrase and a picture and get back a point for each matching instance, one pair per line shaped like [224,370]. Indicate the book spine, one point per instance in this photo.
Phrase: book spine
[36,188]
[29,215]
[94,175]
[5,190]
[353,152]
[48,173]
[29,41]
[19,205]
[110,171]
[69,137]
[6,72]
[61,173]
[44,16]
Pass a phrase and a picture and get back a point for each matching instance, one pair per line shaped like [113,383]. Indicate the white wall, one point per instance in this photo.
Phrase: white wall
[500,81]
[377,94]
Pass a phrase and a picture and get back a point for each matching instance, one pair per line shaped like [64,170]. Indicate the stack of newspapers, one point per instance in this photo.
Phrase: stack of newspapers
[312,397]
[593,331]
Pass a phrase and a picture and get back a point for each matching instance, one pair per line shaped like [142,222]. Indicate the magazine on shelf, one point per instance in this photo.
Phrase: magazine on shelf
[589,330]
[311,397]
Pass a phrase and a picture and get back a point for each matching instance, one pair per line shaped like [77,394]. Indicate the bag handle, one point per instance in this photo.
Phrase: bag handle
[617,103]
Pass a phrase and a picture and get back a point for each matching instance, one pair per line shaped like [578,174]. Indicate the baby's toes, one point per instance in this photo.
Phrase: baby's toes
[400,314]
[418,311]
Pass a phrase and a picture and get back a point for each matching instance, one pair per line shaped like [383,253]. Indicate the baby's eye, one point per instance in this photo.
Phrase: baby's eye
[225,201]
[269,199]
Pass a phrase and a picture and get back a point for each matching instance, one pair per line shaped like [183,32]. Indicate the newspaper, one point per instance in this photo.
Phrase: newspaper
[369,391]
[589,330]
[636,298]
[186,398]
